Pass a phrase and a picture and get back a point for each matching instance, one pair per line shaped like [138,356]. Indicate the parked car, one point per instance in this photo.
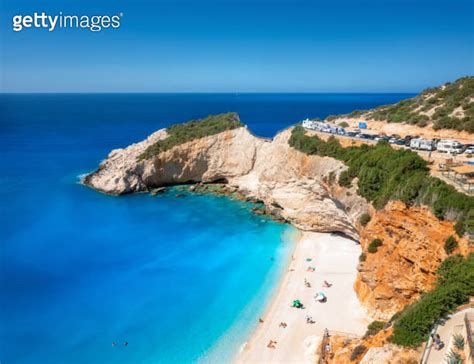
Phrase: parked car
[352,134]
[407,140]
[422,144]
[399,141]
[449,146]
[469,150]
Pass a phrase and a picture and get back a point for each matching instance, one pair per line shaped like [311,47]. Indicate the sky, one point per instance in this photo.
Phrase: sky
[240,46]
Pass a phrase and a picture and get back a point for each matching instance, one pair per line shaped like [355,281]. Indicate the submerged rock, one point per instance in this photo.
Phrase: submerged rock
[156,191]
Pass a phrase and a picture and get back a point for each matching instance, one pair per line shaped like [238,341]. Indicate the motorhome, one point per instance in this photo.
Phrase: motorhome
[422,144]
[308,124]
[449,146]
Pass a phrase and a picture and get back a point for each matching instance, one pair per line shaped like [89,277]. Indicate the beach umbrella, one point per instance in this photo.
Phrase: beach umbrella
[320,296]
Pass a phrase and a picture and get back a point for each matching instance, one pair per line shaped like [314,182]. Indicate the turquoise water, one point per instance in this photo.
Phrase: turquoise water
[168,275]
[179,279]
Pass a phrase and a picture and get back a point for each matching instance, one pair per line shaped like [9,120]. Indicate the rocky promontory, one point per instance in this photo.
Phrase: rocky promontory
[293,185]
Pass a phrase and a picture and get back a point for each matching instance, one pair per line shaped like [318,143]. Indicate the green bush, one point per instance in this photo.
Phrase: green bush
[454,285]
[194,129]
[459,341]
[364,219]
[344,179]
[374,327]
[450,245]
[460,228]
[331,176]
[343,124]
[362,257]
[357,352]
[453,358]
[386,174]
[374,245]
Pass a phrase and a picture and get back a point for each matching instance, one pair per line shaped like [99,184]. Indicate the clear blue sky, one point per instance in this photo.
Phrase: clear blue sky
[241,46]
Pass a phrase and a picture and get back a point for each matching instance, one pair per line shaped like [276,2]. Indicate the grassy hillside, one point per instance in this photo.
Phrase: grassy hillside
[450,106]
[385,174]
[194,129]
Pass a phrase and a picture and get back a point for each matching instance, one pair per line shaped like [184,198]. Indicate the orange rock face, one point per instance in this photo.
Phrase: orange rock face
[405,264]
[373,349]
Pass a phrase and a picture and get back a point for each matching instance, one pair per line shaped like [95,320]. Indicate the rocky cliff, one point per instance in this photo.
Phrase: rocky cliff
[301,189]
[292,185]
[405,265]
[375,349]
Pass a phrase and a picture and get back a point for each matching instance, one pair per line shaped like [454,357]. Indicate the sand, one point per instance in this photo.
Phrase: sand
[335,259]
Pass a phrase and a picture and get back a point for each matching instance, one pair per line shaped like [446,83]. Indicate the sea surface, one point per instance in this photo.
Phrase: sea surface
[180,279]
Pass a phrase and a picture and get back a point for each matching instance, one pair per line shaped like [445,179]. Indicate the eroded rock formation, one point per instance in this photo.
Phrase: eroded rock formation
[297,187]
[370,350]
[405,264]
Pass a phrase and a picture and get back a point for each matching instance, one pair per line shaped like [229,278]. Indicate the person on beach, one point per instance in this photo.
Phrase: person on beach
[260,320]
[283,324]
[327,284]
[271,344]
[309,320]
[328,348]
[306,283]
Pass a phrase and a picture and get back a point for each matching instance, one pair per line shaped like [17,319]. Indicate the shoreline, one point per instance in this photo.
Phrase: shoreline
[335,259]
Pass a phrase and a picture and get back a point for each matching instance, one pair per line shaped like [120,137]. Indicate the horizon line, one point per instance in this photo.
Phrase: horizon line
[200,92]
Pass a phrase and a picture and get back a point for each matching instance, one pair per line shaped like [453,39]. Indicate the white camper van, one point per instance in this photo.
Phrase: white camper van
[308,124]
[422,144]
[449,146]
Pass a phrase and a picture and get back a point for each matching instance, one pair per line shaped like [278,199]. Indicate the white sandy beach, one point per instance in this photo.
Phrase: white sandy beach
[335,259]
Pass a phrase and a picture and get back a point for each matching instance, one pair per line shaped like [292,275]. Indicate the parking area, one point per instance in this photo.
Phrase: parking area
[441,160]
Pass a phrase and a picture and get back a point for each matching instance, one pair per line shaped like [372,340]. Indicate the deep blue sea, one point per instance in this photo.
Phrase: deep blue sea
[180,279]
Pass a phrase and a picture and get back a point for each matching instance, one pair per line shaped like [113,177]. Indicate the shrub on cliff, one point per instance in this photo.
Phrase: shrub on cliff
[450,245]
[358,351]
[194,129]
[364,219]
[460,228]
[374,245]
[374,327]
[344,179]
[386,174]
[454,286]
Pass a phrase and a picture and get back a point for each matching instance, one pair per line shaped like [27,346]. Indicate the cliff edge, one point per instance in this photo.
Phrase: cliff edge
[293,185]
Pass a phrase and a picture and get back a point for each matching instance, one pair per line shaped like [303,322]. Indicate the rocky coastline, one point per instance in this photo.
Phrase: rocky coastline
[293,186]
[302,190]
